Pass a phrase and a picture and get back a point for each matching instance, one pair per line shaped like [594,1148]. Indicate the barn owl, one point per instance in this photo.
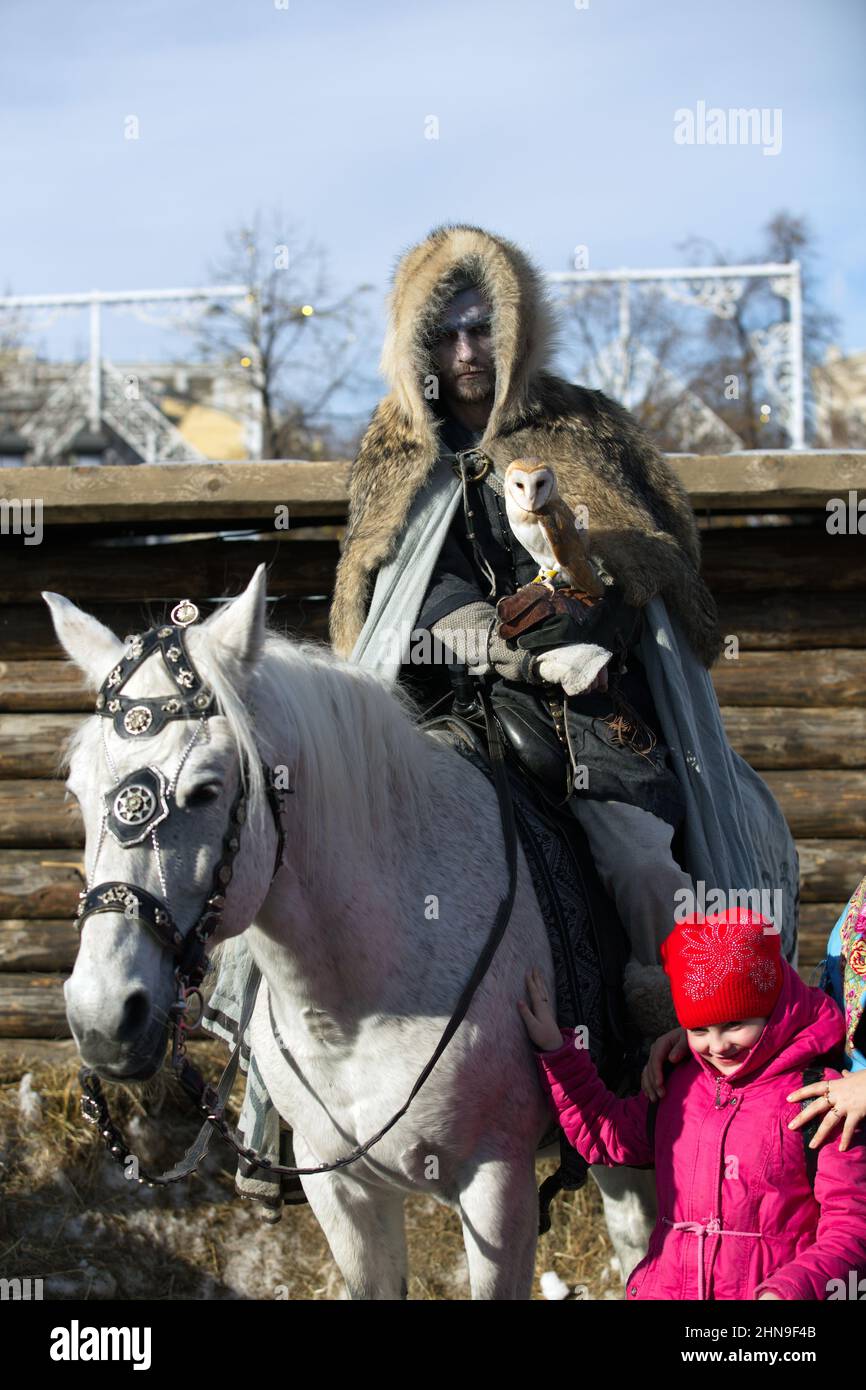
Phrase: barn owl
[546,527]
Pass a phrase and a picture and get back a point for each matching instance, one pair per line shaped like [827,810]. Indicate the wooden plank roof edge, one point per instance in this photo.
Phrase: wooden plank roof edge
[752,479]
[179,491]
[785,478]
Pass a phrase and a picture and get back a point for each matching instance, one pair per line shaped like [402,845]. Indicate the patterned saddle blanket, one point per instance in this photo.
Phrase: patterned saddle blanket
[587,940]
[588,943]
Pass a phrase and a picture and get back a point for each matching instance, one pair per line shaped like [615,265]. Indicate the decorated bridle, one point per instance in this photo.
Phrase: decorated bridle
[142,800]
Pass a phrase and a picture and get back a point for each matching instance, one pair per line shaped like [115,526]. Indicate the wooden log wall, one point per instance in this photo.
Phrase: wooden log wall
[793,699]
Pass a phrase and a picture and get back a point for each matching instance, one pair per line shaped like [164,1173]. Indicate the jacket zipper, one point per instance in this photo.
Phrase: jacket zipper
[719,1105]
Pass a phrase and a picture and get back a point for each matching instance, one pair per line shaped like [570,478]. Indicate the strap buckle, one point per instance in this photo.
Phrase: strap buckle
[475,462]
[210,1103]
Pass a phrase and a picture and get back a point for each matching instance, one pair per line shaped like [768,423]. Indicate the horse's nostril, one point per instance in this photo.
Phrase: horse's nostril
[134,1017]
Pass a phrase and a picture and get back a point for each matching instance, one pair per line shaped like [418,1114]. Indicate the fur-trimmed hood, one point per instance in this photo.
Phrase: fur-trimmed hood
[641,522]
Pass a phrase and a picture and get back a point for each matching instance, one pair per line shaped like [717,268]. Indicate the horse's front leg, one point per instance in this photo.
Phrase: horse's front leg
[363,1225]
[630,1209]
[498,1203]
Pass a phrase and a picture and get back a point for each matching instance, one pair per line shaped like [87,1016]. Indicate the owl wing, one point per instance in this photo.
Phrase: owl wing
[568,545]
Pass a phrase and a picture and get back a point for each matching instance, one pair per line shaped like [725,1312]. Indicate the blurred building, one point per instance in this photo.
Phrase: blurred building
[839,390]
[167,412]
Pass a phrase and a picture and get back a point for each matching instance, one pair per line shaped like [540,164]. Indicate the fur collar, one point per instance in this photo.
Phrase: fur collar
[640,518]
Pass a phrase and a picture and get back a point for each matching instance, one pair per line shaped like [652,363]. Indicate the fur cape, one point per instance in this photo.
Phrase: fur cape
[641,522]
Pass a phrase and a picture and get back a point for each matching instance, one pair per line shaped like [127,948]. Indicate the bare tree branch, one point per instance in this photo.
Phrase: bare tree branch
[299,343]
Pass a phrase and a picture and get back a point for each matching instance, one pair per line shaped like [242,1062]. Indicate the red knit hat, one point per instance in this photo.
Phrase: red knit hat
[722,967]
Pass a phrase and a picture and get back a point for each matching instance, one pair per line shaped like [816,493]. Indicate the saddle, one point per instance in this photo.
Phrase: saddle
[539,617]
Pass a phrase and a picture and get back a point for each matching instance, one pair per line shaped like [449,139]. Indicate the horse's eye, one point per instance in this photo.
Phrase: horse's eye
[202,796]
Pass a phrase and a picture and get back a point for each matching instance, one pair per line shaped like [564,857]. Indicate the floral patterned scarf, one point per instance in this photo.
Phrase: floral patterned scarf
[853,954]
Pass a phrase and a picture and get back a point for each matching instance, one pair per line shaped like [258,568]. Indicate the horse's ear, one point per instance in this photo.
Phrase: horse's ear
[239,626]
[90,644]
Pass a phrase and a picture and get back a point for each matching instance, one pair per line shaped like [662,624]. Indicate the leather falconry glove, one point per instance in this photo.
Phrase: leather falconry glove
[470,633]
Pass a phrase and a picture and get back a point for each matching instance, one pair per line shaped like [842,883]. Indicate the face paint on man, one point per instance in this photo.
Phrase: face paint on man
[463,357]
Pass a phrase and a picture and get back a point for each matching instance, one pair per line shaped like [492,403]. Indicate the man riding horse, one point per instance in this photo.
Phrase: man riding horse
[468,340]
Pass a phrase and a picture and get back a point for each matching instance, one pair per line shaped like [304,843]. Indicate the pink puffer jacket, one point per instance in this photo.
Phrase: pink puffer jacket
[736,1213]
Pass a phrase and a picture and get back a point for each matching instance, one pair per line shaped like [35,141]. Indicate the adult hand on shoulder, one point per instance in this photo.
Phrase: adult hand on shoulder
[574,667]
[843,1098]
[670,1047]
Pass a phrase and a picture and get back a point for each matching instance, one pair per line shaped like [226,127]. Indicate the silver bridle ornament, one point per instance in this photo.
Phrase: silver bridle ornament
[140,801]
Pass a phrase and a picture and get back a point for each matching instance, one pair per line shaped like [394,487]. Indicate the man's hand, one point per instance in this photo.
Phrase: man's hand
[539,1019]
[842,1098]
[575,667]
[669,1047]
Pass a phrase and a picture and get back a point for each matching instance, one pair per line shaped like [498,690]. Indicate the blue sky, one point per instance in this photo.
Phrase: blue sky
[556,128]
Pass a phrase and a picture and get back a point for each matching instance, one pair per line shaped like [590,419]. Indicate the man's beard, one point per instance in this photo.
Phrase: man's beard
[473,386]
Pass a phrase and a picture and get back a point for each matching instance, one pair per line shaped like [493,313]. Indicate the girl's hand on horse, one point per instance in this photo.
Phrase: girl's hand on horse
[670,1047]
[842,1098]
[538,1016]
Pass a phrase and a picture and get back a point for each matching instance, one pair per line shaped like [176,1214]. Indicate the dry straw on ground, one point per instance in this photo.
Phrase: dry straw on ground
[69,1216]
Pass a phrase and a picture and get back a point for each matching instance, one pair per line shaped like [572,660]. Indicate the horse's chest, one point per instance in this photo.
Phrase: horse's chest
[319,1069]
[322,1029]
[336,1092]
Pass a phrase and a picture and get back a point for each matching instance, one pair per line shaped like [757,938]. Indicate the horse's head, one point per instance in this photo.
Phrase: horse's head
[169,795]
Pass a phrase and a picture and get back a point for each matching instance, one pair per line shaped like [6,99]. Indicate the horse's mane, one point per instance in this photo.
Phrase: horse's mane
[362,763]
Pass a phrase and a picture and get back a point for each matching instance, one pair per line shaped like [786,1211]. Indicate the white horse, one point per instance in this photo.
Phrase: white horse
[393,867]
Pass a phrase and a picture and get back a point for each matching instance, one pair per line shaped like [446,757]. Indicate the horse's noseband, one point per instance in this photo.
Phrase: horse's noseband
[141,800]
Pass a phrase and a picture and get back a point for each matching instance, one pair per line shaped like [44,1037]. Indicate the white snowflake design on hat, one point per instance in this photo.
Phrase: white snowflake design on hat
[716,950]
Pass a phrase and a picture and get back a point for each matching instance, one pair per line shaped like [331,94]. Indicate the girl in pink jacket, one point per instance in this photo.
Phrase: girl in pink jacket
[737,1213]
